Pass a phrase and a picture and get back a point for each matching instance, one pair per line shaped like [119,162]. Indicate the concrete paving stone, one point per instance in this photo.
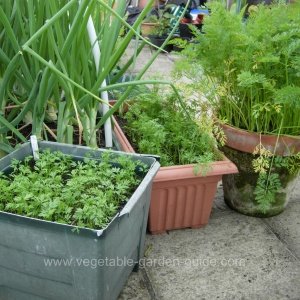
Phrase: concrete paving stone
[219,199]
[233,257]
[296,192]
[287,226]
[162,66]
[136,288]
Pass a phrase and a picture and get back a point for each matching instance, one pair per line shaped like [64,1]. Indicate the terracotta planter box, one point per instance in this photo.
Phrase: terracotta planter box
[180,199]
[143,3]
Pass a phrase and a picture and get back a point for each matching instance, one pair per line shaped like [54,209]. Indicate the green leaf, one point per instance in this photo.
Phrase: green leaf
[288,95]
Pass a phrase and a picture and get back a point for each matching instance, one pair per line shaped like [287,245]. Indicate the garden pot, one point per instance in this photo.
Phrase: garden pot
[90,264]
[185,31]
[158,41]
[180,199]
[147,28]
[143,3]
[239,188]
[247,141]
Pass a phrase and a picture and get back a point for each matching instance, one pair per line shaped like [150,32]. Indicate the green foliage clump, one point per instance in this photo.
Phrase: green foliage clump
[81,193]
[158,125]
[163,21]
[266,188]
[273,171]
[252,67]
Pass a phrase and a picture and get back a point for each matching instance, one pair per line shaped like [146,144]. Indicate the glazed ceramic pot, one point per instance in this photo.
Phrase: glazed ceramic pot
[239,188]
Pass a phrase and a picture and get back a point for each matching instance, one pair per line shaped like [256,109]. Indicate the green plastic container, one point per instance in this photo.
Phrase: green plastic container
[91,264]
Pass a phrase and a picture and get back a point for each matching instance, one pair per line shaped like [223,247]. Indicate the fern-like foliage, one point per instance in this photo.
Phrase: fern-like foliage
[253,67]
[269,168]
[157,125]
[83,193]
[266,188]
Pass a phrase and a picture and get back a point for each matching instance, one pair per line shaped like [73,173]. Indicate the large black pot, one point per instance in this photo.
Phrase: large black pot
[158,41]
[185,31]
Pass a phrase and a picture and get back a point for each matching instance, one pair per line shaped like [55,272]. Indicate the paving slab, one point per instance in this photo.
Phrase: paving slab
[233,257]
[161,67]
[286,226]
[136,287]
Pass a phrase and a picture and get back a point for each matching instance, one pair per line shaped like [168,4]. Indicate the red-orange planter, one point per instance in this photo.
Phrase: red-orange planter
[247,141]
[180,199]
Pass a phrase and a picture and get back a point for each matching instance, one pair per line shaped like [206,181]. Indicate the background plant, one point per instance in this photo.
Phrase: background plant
[163,23]
[82,193]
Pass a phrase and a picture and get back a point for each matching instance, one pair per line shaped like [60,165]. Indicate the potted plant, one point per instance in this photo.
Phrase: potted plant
[185,29]
[149,25]
[158,25]
[185,186]
[72,222]
[188,21]
[251,70]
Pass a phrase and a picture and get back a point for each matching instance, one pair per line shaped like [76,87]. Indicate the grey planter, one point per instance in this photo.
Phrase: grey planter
[91,261]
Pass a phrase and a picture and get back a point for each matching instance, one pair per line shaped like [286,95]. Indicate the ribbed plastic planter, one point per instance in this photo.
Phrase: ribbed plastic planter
[86,265]
[180,199]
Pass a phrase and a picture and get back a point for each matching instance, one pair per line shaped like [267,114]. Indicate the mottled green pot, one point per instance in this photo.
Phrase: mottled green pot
[239,188]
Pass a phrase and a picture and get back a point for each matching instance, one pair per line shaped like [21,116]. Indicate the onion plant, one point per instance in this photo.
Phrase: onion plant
[47,70]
